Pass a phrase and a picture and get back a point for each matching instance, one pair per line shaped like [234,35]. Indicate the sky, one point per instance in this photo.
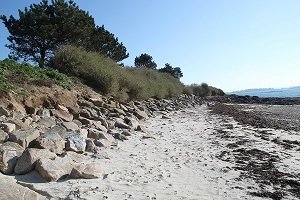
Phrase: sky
[229,44]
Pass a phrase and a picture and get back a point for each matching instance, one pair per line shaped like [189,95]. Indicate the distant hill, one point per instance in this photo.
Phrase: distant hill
[270,92]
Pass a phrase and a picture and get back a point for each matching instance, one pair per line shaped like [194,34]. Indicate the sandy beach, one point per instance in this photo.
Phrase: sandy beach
[193,154]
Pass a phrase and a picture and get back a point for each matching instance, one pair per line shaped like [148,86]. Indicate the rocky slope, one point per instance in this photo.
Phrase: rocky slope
[51,131]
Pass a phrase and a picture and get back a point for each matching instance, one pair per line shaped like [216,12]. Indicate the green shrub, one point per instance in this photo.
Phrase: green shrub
[107,76]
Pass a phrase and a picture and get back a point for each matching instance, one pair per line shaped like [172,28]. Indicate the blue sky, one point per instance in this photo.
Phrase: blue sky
[230,44]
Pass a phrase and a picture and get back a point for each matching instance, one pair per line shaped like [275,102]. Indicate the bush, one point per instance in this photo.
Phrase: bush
[107,76]
[203,90]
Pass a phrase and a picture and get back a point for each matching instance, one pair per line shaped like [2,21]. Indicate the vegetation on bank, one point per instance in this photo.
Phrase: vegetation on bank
[14,74]
[108,77]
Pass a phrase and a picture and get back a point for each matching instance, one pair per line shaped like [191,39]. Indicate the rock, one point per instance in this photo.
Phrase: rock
[97,102]
[10,189]
[75,142]
[24,137]
[8,127]
[104,122]
[131,122]
[102,143]
[84,103]
[120,124]
[63,114]
[70,126]
[75,157]
[87,171]
[54,169]
[58,129]
[165,117]
[90,145]
[120,111]
[98,125]
[126,133]
[51,141]
[14,106]
[35,118]
[30,110]
[27,121]
[120,136]
[43,112]
[148,136]
[84,120]
[141,128]
[9,153]
[46,122]
[3,136]
[85,113]
[4,111]
[27,161]
[19,124]
[96,134]
[141,114]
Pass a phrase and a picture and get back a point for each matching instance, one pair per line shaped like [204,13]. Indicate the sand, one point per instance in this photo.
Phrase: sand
[193,155]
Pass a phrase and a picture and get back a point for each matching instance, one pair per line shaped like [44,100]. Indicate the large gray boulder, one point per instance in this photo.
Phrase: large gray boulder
[87,171]
[24,137]
[11,190]
[30,156]
[9,153]
[51,141]
[55,169]
[75,142]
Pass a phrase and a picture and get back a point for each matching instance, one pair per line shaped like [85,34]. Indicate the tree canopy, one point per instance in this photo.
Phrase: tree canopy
[104,42]
[145,60]
[176,72]
[43,27]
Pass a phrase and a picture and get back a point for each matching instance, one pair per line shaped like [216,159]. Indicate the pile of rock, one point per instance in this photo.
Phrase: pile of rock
[52,139]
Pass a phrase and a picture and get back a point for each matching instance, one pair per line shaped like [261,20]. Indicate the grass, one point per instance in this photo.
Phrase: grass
[14,74]
[108,77]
